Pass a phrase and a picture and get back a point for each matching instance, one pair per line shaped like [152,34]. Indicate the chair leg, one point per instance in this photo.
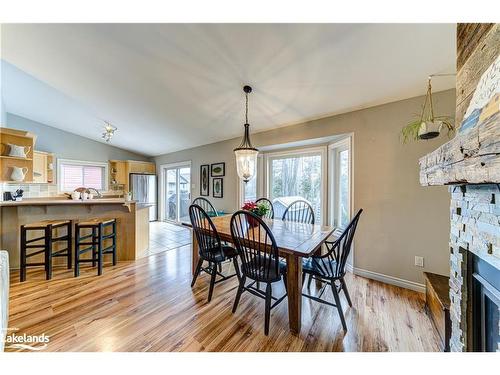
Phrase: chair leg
[197,272]
[68,244]
[212,281]
[236,268]
[23,254]
[238,293]
[303,278]
[48,252]
[219,266]
[339,305]
[344,288]
[268,308]
[286,283]
[94,247]
[77,250]
[114,243]
[99,249]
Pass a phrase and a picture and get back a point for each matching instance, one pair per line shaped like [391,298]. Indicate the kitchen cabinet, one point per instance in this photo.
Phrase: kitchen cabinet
[43,167]
[120,171]
[39,167]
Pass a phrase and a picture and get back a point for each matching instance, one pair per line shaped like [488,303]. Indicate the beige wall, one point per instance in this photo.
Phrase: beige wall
[401,219]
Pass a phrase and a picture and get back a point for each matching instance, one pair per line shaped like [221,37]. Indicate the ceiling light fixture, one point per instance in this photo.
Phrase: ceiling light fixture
[246,154]
[109,131]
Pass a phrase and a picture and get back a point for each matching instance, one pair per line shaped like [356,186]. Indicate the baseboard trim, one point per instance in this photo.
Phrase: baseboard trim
[387,279]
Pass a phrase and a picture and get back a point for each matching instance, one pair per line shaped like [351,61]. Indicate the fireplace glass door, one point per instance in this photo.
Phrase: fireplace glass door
[486,307]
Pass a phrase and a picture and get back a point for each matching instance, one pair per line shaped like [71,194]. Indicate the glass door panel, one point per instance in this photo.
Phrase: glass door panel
[177,193]
[185,193]
[171,198]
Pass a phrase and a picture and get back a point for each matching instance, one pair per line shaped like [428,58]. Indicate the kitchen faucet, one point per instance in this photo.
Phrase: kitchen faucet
[99,195]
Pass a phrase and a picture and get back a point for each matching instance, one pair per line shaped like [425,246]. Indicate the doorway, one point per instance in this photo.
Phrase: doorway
[176,192]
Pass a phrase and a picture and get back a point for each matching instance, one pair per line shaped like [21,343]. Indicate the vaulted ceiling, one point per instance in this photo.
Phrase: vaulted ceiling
[169,87]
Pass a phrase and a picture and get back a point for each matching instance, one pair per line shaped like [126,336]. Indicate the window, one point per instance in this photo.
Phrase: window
[296,175]
[73,174]
[341,183]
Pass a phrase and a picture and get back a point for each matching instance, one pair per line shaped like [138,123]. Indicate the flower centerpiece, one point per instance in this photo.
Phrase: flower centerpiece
[259,209]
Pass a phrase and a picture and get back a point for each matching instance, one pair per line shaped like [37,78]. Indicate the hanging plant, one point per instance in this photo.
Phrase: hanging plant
[427,126]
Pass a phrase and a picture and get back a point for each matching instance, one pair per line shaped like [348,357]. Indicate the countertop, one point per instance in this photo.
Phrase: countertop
[62,201]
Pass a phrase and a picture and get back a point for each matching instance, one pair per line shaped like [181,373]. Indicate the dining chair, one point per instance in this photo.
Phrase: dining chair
[299,211]
[330,267]
[259,257]
[211,249]
[206,205]
[269,204]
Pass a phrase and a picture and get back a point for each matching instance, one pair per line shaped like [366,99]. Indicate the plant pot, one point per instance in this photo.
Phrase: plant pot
[429,129]
[252,221]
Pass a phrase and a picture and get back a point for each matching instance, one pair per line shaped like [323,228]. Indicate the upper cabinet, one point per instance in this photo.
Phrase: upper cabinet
[120,170]
[43,167]
[16,155]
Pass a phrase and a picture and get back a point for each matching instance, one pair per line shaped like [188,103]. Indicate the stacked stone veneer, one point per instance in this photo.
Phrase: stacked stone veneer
[475,227]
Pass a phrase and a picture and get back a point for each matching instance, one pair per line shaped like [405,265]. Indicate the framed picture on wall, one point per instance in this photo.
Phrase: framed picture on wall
[217,188]
[218,169]
[204,180]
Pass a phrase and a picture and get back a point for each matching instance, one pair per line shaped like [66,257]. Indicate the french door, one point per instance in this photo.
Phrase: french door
[176,192]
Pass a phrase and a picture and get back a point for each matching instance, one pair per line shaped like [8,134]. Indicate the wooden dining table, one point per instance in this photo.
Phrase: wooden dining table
[295,241]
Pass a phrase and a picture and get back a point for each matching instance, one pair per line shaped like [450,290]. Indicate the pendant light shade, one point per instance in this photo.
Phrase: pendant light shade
[246,154]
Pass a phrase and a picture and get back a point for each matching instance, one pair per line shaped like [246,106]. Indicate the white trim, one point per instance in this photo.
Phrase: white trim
[407,284]
[161,190]
[81,162]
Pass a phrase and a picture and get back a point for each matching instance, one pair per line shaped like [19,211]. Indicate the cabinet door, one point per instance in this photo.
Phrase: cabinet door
[39,167]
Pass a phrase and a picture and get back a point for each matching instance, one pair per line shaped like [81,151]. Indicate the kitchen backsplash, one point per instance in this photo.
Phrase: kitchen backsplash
[30,190]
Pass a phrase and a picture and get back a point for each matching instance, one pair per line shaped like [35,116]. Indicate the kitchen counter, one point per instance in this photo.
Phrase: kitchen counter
[58,201]
[132,221]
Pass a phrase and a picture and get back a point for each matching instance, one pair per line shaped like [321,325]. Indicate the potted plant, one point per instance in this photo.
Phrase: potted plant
[427,126]
[259,209]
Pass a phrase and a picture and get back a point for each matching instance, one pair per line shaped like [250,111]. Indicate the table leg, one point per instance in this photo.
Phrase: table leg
[294,287]
[195,253]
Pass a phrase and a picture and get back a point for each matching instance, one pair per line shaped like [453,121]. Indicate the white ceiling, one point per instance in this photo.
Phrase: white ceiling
[169,87]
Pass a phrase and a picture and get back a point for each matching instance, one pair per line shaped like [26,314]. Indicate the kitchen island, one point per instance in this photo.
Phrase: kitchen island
[132,221]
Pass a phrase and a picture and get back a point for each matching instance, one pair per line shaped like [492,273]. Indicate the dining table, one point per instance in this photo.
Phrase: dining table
[294,240]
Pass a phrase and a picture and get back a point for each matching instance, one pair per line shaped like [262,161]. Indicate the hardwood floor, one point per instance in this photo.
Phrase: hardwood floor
[148,305]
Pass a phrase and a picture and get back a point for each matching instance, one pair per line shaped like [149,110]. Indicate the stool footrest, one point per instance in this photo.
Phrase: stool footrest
[35,253]
[112,247]
[62,238]
[88,243]
[83,251]
[35,239]
[59,252]
[34,264]
[108,236]
[35,246]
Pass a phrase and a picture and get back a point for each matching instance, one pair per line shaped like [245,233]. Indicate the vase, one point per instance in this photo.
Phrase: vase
[252,221]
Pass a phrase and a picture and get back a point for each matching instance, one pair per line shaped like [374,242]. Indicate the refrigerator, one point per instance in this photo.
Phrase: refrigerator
[143,187]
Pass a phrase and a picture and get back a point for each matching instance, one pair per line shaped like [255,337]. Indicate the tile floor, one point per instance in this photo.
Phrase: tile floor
[166,236]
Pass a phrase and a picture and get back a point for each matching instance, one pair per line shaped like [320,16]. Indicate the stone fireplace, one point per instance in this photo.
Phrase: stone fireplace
[470,165]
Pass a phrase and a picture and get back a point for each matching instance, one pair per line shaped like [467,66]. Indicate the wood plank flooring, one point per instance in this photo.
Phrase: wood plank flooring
[148,305]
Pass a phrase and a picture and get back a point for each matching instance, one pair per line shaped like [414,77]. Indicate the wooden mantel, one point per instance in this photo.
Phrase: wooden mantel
[469,158]
[473,156]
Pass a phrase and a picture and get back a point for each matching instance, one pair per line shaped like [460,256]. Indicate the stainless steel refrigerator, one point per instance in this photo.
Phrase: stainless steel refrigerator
[143,187]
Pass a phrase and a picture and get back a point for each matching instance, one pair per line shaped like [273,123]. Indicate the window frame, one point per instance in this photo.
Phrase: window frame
[61,162]
[334,151]
[314,150]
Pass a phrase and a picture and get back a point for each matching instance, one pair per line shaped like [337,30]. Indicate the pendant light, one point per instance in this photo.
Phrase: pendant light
[246,154]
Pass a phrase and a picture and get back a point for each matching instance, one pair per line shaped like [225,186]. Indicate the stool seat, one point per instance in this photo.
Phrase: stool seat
[91,222]
[44,223]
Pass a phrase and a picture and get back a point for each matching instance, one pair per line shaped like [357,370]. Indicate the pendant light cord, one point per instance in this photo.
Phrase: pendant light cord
[246,108]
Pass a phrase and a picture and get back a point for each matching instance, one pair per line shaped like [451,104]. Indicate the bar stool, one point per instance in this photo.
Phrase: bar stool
[96,242]
[48,238]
